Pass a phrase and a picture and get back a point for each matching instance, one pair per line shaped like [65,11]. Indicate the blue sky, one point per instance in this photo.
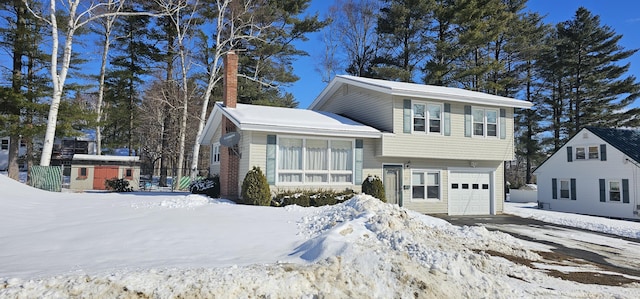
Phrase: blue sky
[623,16]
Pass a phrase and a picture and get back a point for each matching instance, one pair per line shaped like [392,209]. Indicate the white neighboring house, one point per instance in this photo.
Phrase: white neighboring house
[595,173]
[4,152]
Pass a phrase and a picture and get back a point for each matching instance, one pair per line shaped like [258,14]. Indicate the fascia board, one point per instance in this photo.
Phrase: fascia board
[307,131]
[488,100]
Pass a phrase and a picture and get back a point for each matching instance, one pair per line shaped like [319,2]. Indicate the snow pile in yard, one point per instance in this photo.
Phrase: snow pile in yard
[104,245]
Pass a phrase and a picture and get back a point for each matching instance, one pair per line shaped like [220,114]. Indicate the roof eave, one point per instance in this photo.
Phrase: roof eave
[339,81]
[308,131]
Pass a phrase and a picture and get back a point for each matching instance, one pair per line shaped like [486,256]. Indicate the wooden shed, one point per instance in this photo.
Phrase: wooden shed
[89,172]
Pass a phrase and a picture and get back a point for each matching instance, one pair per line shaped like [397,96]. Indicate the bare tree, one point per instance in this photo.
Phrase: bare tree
[107,26]
[353,28]
[174,10]
[77,16]
[234,23]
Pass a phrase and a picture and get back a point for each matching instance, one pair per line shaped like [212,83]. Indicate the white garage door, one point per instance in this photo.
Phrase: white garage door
[470,193]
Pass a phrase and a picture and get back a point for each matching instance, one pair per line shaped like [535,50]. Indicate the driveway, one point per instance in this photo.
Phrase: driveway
[568,252]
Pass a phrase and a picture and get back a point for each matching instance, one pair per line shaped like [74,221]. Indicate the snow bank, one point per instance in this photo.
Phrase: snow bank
[129,246]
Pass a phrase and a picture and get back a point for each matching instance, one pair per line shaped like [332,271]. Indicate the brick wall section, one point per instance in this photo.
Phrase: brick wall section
[229,160]
[230,79]
[229,166]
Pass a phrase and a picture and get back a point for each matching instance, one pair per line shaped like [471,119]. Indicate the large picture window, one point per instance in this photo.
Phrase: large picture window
[308,160]
[425,184]
[485,122]
[427,118]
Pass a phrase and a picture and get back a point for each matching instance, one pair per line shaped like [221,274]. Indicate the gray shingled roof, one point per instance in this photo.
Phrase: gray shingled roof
[625,140]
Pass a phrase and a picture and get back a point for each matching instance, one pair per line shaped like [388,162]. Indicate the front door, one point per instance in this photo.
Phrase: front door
[392,179]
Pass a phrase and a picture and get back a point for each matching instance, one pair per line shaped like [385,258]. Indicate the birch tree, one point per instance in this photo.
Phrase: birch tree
[107,26]
[175,10]
[233,24]
[77,16]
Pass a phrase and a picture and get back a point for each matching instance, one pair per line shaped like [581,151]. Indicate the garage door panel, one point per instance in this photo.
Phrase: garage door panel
[470,193]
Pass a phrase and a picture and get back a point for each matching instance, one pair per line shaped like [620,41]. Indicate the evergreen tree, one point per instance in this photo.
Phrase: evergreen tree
[267,63]
[530,31]
[21,109]
[130,64]
[443,45]
[599,92]
[402,26]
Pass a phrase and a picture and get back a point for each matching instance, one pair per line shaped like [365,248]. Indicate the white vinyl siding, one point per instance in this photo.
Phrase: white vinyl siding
[365,106]
[437,146]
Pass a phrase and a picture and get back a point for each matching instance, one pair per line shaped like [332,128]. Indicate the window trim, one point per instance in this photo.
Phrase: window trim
[427,117]
[80,175]
[426,173]
[485,123]
[329,172]
[128,177]
[4,144]
[586,152]
[568,189]
[608,190]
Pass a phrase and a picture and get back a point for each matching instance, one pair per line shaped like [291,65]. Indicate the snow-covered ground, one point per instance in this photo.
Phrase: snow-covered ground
[107,245]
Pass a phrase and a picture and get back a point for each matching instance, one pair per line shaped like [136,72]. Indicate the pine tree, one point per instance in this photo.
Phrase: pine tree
[530,31]
[128,67]
[599,92]
[402,26]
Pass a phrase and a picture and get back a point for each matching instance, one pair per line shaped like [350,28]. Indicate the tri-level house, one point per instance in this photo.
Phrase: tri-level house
[437,149]
[594,173]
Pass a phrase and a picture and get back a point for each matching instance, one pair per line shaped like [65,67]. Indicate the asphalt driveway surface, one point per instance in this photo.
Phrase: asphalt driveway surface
[570,253]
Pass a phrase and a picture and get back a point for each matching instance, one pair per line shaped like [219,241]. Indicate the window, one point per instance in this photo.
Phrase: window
[580,155]
[565,191]
[588,152]
[5,144]
[614,191]
[419,118]
[485,122]
[82,173]
[215,153]
[425,184]
[427,118]
[593,152]
[435,112]
[128,173]
[315,161]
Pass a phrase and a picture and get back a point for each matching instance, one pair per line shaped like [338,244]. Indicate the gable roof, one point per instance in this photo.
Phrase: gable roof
[625,140]
[414,90]
[286,120]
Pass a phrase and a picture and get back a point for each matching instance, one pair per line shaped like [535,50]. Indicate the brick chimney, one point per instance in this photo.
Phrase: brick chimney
[230,80]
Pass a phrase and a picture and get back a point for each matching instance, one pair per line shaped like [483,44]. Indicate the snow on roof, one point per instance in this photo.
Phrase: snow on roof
[298,121]
[106,158]
[419,91]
